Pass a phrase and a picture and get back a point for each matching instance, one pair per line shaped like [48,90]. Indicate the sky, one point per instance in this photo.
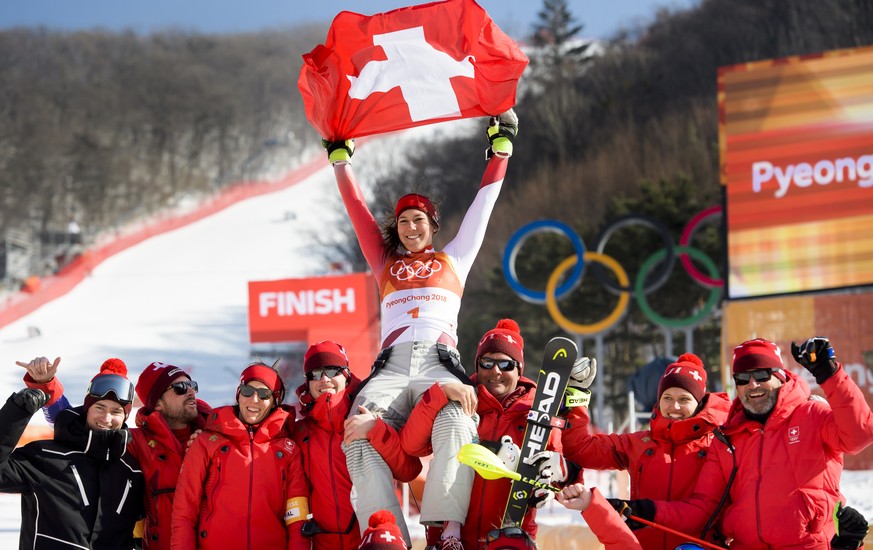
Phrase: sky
[600,18]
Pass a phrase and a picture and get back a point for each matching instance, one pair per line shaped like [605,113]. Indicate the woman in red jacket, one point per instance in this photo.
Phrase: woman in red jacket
[324,404]
[241,484]
[663,462]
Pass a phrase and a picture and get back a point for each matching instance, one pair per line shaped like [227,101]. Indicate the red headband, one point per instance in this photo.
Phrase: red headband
[417,201]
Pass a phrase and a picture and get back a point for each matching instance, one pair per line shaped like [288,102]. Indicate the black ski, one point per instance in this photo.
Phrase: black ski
[558,358]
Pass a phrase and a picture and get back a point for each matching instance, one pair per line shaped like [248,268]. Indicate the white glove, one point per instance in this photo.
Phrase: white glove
[583,373]
[551,466]
[509,453]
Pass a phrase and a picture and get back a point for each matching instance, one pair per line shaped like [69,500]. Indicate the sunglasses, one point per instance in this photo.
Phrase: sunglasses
[181,387]
[330,372]
[105,384]
[263,393]
[504,365]
[760,376]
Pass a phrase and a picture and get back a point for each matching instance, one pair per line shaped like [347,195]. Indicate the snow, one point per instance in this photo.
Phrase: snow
[181,298]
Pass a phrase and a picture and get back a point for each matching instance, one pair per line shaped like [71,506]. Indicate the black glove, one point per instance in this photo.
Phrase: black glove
[339,151]
[851,530]
[643,508]
[817,356]
[30,399]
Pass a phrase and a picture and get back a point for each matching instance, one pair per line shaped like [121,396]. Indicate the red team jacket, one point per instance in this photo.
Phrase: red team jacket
[488,498]
[787,483]
[319,435]
[663,462]
[160,456]
[236,487]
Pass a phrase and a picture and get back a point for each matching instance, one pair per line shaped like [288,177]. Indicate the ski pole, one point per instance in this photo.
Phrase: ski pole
[488,465]
[674,532]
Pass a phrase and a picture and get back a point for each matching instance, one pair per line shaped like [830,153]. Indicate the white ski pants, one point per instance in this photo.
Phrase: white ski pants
[412,368]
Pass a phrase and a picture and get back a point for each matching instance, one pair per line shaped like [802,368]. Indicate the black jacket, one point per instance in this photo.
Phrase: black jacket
[80,490]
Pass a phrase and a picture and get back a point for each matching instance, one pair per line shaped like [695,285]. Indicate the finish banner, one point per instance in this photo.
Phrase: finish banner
[342,308]
[796,153]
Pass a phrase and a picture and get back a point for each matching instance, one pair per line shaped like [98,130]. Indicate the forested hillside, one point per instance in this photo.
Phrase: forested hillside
[105,127]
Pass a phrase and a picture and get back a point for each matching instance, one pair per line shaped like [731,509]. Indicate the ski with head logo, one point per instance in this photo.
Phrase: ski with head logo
[558,358]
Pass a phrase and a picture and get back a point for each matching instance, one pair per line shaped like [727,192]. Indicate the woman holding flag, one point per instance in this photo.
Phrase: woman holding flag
[420,291]
[409,67]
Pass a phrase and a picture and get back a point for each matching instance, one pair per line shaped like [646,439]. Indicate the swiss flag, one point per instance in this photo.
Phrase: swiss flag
[409,67]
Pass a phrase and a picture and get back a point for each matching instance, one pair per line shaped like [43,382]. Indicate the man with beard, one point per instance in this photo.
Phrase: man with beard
[170,415]
[775,470]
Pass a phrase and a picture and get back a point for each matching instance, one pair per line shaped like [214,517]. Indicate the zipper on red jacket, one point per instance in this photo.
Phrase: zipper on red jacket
[480,515]
[251,484]
[758,487]
[336,506]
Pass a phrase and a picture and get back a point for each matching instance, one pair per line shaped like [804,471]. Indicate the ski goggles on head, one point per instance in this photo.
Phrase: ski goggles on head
[509,537]
[263,393]
[504,365]
[330,372]
[181,387]
[105,384]
[760,376]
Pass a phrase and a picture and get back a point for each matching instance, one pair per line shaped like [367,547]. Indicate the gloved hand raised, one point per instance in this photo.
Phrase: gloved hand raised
[851,530]
[641,508]
[583,372]
[817,356]
[582,375]
[501,131]
[339,151]
[30,399]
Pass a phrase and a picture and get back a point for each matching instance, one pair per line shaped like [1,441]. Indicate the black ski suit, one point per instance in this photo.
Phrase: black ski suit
[80,490]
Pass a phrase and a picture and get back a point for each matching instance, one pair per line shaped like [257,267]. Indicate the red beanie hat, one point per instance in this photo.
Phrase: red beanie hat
[324,354]
[112,383]
[154,381]
[758,354]
[504,338]
[382,533]
[686,373]
[267,375]
[419,202]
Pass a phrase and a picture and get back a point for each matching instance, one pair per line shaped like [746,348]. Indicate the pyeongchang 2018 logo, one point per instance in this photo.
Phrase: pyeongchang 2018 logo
[417,269]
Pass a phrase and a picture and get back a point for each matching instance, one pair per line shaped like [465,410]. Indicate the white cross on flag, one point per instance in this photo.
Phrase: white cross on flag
[409,67]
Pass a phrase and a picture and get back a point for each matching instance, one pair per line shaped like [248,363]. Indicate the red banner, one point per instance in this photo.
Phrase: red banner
[342,308]
[409,67]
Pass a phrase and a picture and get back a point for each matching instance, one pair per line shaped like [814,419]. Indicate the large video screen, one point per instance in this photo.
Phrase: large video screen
[796,144]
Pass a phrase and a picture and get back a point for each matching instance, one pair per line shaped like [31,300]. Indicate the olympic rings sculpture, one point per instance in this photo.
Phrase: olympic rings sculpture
[653,273]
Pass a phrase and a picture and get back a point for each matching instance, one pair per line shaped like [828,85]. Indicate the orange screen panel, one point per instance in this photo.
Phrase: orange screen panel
[796,140]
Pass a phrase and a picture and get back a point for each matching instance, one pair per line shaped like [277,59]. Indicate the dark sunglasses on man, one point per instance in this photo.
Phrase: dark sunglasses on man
[105,384]
[504,365]
[330,372]
[263,393]
[181,387]
[760,376]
